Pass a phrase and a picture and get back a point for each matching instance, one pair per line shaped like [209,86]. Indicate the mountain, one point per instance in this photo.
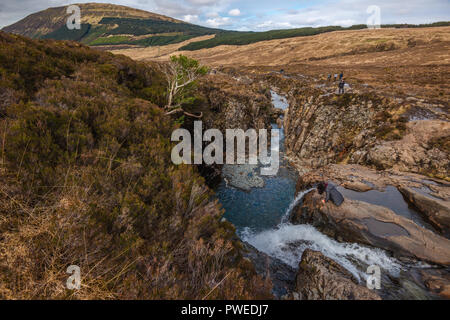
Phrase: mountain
[108,24]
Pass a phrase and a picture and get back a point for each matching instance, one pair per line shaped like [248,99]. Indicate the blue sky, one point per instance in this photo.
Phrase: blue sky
[259,15]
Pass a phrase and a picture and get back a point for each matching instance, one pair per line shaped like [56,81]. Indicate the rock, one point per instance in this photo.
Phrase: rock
[357,186]
[437,281]
[436,211]
[320,278]
[416,151]
[281,274]
[275,114]
[364,128]
[356,221]
[242,176]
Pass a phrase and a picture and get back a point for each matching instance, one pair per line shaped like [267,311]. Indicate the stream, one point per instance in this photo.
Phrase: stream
[261,219]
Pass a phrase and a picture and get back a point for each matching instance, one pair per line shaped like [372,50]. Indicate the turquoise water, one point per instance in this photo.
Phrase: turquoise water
[260,219]
[261,208]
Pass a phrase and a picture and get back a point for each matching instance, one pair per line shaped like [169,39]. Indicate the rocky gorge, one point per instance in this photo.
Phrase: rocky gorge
[390,164]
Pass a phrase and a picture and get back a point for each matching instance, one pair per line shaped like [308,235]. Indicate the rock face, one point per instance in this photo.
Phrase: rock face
[436,211]
[233,104]
[356,221]
[328,128]
[320,278]
[421,149]
[281,275]
[364,128]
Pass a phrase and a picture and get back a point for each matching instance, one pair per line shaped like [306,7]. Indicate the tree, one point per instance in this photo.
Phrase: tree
[181,74]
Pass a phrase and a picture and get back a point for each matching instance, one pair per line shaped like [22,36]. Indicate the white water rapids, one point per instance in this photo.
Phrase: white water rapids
[287,242]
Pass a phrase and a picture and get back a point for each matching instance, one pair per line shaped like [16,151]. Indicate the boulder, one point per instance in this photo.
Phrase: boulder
[357,221]
[436,211]
[320,278]
[281,274]
[437,281]
[242,176]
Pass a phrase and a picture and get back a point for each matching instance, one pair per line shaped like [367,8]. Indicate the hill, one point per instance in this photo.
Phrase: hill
[244,38]
[414,60]
[95,185]
[108,24]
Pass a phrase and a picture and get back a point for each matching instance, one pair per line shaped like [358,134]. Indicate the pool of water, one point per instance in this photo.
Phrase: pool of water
[390,198]
[261,208]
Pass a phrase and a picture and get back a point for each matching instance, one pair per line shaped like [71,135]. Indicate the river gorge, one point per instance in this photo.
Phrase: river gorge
[261,215]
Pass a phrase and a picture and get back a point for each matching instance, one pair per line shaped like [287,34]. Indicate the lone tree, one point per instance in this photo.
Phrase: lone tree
[181,74]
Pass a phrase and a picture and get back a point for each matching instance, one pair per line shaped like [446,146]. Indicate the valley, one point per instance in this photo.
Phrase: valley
[85,161]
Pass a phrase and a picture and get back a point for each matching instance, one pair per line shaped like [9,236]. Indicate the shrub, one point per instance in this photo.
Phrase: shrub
[86,179]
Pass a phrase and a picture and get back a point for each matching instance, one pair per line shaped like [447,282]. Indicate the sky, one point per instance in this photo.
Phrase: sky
[259,15]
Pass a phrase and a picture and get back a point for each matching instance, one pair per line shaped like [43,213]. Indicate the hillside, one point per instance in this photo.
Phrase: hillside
[95,185]
[409,60]
[108,24]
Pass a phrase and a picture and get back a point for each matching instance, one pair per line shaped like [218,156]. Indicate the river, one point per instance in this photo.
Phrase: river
[260,217]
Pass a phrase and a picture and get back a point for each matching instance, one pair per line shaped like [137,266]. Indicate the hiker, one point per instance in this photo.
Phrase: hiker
[342,86]
[331,193]
[335,76]
[329,77]
[341,76]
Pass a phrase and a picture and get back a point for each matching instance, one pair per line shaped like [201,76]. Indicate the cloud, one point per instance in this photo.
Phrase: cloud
[274,25]
[191,18]
[234,12]
[218,22]
[203,2]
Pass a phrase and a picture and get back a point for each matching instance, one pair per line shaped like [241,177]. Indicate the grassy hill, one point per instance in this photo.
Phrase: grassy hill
[107,24]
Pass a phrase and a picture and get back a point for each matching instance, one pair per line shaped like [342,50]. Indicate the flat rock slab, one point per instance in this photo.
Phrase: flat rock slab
[429,197]
[436,211]
[356,221]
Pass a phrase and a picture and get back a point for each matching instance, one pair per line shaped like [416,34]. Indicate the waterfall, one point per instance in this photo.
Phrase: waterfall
[287,242]
[293,204]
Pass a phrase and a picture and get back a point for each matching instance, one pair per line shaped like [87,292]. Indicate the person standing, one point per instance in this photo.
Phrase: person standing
[342,86]
[341,76]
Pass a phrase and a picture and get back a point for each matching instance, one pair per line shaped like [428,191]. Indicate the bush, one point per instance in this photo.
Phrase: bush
[86,179]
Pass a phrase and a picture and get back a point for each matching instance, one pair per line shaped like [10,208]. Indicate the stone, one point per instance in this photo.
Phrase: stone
[377,226]
[321,278]
[242,176]
[436,211]
[281,274]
